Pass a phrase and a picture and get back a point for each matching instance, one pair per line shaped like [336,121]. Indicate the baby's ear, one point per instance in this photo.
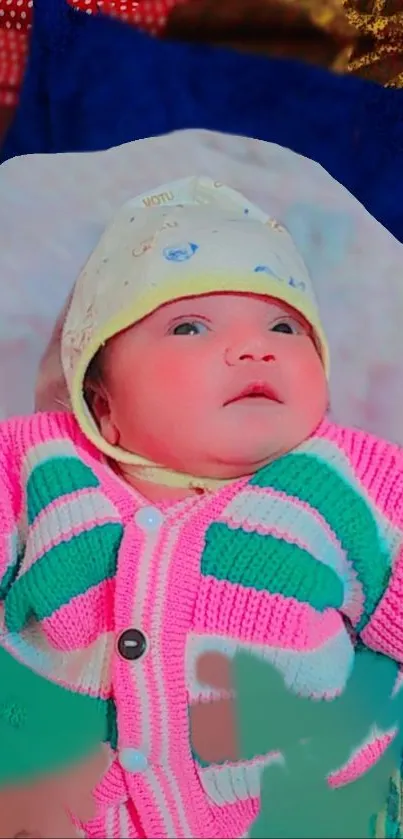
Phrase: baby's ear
[99,403]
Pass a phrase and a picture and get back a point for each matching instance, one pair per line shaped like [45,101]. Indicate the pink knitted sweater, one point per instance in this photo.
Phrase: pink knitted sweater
[116,599]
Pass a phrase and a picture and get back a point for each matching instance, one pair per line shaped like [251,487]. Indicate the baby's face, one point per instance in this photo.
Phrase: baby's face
[214,386]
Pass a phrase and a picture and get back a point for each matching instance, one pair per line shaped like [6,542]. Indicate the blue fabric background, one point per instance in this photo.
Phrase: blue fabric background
[92,83]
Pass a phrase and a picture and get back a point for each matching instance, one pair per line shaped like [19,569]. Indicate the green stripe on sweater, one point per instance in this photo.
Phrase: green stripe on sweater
[265,563]
[8,578]
[65,571]
[346,511]
[112,724]
[54,478]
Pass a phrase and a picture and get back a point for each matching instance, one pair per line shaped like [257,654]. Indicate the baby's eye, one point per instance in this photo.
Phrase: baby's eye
[193,327]
[288,326]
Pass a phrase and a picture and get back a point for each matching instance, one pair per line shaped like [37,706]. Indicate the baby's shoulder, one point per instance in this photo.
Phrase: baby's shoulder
[339,468]
[358,455]
[40,434]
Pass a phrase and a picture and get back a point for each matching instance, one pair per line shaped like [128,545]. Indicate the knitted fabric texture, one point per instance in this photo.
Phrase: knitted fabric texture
[275,565]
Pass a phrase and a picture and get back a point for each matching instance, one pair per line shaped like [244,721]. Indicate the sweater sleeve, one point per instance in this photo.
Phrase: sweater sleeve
[382,630]
[43,726]
[10,508]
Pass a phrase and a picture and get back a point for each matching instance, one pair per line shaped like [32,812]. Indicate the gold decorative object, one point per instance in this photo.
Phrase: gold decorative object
[364,37]
[378,53]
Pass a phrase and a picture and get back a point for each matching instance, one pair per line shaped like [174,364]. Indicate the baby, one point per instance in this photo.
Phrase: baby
[195,499]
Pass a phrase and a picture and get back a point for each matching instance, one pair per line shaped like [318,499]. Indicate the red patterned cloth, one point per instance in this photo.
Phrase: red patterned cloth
[150,15]
[16,21]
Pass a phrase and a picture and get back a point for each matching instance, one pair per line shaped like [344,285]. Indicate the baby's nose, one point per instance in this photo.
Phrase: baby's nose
[252,350]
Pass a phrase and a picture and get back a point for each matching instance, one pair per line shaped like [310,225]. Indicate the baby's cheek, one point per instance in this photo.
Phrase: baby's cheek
[306,375]
[180,377]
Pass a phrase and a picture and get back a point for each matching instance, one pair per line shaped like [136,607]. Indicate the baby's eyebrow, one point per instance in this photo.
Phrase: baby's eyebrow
[188,316]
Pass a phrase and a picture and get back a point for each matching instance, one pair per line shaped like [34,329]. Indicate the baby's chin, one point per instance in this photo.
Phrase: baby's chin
[227,453]
[240,467]
[244,456]
[237,464]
